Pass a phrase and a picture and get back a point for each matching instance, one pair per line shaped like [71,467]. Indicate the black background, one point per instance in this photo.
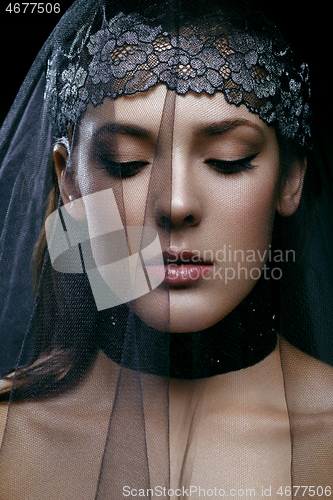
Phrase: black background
[307,25]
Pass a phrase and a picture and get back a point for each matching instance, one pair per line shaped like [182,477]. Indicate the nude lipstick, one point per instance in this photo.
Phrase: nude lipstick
[184,267]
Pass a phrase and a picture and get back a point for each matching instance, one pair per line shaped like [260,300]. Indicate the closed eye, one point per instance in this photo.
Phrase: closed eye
[122,169]
[229,167]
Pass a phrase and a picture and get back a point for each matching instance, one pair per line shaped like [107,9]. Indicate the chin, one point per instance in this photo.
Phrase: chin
[181,311]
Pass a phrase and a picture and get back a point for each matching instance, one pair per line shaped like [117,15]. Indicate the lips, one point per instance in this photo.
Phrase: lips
[180,268]
[184,267]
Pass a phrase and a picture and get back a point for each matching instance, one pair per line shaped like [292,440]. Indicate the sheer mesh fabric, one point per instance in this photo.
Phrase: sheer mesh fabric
[103,404]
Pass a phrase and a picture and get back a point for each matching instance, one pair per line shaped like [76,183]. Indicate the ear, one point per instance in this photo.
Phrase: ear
[291,188]
[70,194]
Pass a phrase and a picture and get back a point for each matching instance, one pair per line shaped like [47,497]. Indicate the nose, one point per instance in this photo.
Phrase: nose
[177,205]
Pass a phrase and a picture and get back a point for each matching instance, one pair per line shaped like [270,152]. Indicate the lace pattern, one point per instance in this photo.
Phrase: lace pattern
[127,56]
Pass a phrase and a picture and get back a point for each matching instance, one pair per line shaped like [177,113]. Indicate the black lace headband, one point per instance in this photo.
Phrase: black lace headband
[128,56]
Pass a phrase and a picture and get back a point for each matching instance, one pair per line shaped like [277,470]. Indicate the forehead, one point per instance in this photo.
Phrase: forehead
[190,113]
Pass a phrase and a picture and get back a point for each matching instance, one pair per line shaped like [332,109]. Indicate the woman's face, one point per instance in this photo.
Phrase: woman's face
[205,175]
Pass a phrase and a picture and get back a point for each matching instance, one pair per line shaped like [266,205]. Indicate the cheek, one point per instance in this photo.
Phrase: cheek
[135,198]
[244,211]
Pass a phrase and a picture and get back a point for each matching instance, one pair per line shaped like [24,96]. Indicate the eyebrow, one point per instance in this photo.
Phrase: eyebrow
[130,130]
[209,130]
[225,125]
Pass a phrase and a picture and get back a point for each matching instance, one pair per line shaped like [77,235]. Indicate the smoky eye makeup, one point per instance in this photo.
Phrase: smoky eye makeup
[123,169]
[229,167]
[123,151]
[105,156]
[111,165]
[230,148]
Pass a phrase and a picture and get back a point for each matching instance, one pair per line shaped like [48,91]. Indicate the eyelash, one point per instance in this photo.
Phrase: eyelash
[131,168]
[233,166]
[122,170]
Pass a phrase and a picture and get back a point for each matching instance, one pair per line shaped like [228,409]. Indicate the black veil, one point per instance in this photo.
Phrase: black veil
[91,384]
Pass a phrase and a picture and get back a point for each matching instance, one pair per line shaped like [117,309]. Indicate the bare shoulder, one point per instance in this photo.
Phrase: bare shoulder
[309,378]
